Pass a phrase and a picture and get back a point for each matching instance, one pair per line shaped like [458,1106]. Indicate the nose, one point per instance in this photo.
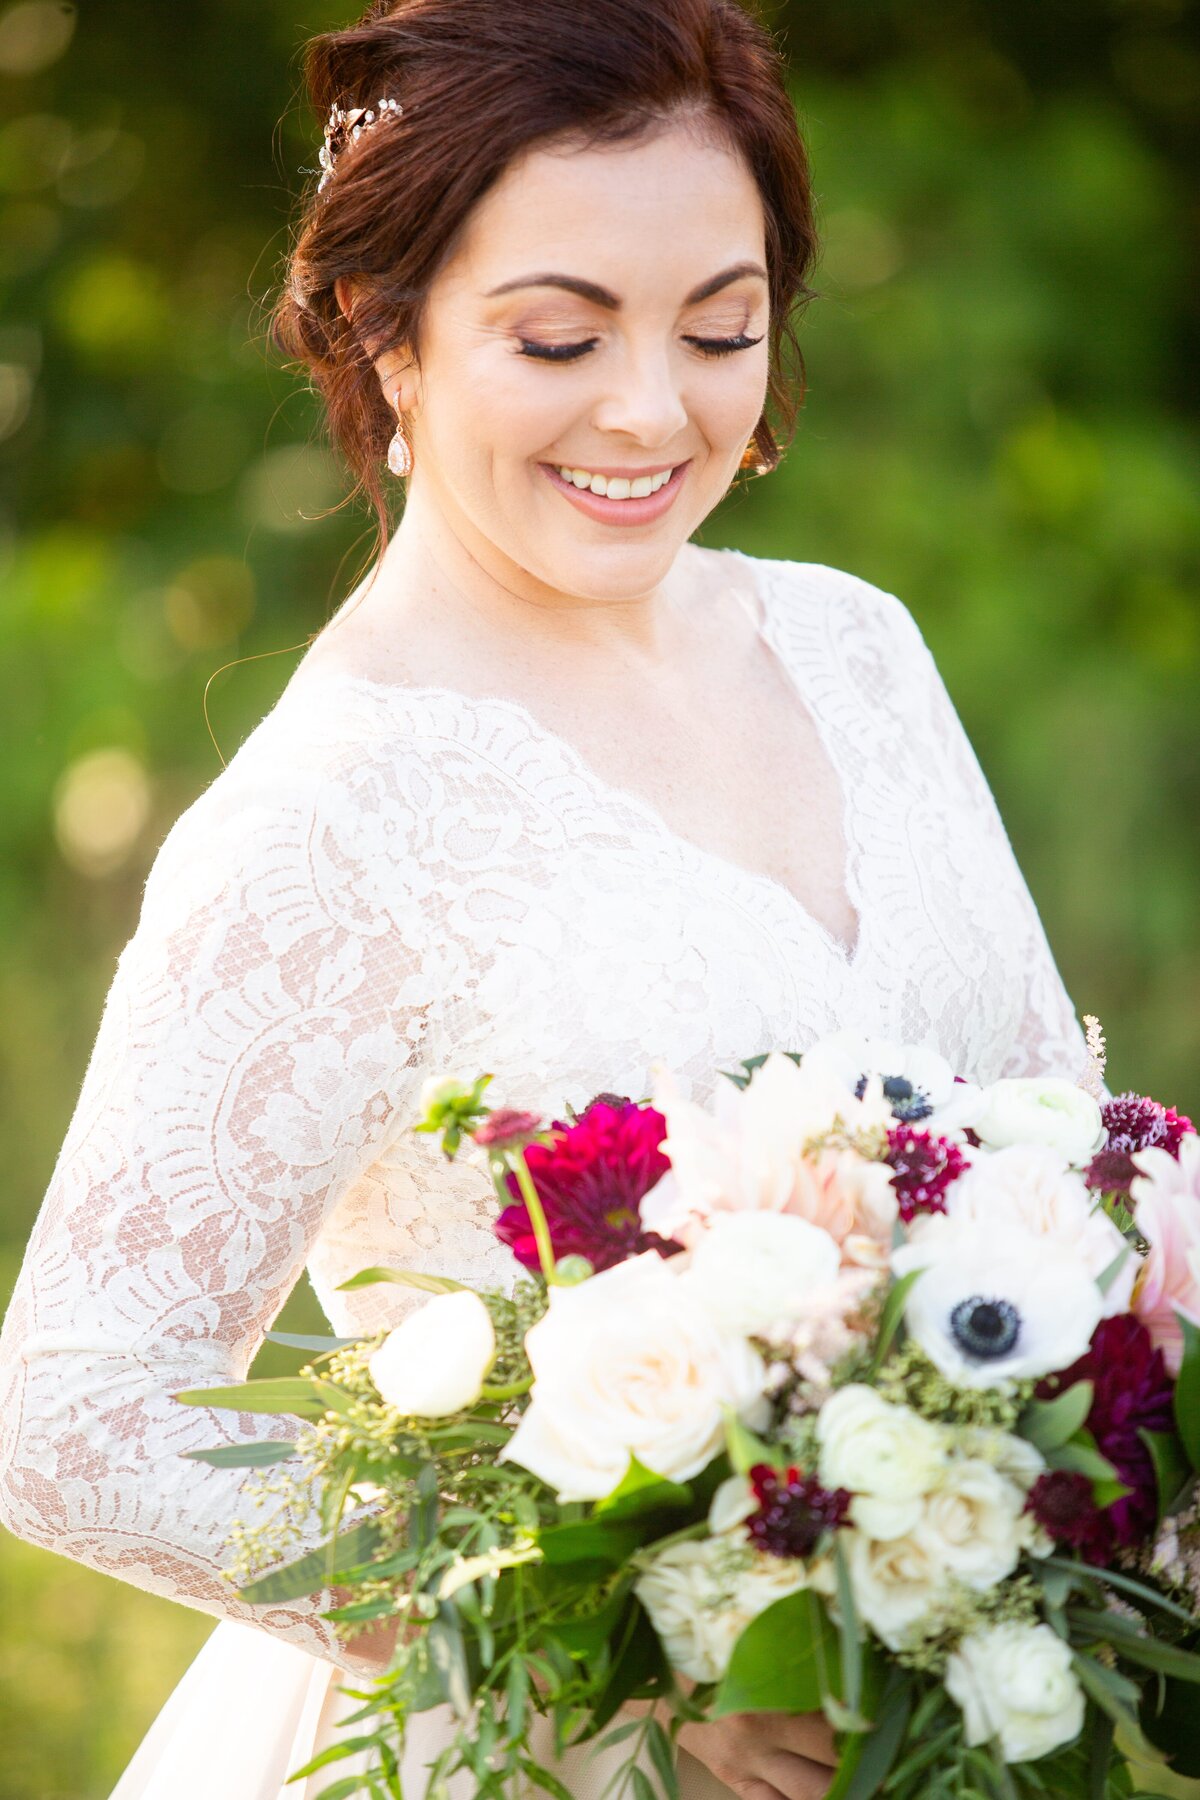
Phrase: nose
[642,400]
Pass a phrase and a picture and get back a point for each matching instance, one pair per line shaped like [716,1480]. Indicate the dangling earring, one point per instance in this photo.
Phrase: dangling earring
[399,456]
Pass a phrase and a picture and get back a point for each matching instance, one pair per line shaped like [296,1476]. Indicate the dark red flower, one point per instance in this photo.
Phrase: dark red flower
[1110,1172]
[1061,1502]
[506,1127]
[923,1166]
[1135,1122]
[1178,1127]
[1132,1393]
[793,1510]
[591,1179]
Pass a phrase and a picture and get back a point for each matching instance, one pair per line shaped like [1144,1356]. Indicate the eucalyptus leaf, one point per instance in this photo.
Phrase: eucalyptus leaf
[414,1278]
[298,1340]
[296,1394]
[309,1573]
[244,1456]
[889,1319]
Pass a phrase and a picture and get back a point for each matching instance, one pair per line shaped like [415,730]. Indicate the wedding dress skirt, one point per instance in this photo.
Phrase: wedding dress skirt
[252,1708]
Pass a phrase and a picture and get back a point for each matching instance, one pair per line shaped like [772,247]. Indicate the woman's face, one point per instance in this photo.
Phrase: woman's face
[606,312]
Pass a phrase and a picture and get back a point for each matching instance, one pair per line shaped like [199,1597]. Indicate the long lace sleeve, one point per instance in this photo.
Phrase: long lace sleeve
[1049,1038]
[259,1046]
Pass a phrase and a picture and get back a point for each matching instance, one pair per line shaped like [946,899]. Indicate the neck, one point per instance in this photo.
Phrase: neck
[439,568]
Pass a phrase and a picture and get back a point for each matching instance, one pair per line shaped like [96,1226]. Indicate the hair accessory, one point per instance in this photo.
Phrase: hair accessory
[399,455]
[345,126]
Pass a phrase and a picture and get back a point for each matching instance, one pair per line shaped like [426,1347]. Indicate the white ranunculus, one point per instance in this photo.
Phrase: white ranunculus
[974,1521]
[895,1582]
[1041,1109]
[753,1270]
[436,1359]
[888,1457]
[701,1596]
[1015,1683]
[919,1084]
[629,1363]
[994,1302]
[1036,1187]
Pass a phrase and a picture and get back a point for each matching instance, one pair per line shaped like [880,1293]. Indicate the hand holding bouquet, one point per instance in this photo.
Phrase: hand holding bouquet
[867,1390]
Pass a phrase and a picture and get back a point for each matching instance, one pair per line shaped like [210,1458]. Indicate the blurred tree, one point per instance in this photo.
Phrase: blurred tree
[1000,428]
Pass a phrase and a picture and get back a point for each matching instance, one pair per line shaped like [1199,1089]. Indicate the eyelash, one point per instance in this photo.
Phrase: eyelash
[572,352]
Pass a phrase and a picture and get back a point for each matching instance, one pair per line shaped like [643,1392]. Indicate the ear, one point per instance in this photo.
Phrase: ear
[393,368]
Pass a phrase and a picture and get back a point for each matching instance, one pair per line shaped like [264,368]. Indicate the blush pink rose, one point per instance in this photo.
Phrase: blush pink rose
[1166,1194]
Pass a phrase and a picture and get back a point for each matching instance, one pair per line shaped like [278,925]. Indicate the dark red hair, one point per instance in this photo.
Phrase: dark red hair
[480,82]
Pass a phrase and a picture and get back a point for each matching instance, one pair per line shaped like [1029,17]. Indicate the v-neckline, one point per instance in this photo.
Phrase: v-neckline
[766,624]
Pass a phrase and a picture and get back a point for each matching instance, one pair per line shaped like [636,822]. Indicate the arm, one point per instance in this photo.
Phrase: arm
[1048,1038]
[259,1046]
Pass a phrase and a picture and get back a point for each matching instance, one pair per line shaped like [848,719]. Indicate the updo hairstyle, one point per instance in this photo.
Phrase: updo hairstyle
[480,82]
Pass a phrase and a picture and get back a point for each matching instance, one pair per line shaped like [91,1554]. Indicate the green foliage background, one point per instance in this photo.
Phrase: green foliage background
[1000,428]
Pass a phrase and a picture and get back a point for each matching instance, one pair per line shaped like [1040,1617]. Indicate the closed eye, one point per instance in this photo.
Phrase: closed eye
[572,352]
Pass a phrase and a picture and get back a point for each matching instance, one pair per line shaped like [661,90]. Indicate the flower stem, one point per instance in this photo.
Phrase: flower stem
[537,1217]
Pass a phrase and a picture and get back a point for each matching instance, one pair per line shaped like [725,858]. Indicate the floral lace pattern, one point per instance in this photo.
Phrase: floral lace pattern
[410,880]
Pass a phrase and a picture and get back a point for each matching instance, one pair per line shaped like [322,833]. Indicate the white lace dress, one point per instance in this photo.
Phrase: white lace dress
[398,881]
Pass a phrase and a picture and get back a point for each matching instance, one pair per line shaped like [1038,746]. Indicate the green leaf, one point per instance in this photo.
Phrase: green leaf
[588,1541]
[1187,1391]
[244,1456]
[428,1284]
[1049,1424]
[778,1660]
[864,1762]
[287,1394]
[1135,1646]
[587,1633]
[643,1788]
[1083,1458]
[663,1758]
[1117,1697]
[1171,1468]
[1168,1718]
[641,1490]
[744,1448]
[309,1573]
[298,1340]
[850,1637]
[889,1319]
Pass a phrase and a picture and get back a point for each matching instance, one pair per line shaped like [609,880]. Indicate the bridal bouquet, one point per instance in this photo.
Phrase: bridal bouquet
[866,1390]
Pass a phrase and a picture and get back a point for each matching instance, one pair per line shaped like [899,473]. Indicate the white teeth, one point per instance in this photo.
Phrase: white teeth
[618,487]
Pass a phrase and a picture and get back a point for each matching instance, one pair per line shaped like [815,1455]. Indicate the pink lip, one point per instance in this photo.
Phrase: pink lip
[620,512]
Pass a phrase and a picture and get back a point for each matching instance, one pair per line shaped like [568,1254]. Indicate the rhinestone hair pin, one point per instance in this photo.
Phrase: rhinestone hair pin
[345,126]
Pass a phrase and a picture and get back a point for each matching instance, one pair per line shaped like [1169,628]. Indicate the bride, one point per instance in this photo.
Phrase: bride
[556,793]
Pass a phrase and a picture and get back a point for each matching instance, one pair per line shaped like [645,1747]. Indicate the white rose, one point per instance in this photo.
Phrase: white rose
[895,1582]
[701,1597]
[1036,1187]
[752,1270]
[1015,1682]
[629,1363]
[974,1523]
[436,1359]
[888,1457]
[1041,1109]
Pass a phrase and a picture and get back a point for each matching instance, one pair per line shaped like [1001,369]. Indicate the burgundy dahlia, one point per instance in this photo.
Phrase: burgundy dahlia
[793,1510]
[591,1179]
[1133,1393]
[923,1167]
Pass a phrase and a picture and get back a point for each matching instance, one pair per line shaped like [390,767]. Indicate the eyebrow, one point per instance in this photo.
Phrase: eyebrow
[601,296]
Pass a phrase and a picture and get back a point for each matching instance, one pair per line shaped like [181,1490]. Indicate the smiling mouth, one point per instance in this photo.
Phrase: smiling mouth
[623,507]
[613,485]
